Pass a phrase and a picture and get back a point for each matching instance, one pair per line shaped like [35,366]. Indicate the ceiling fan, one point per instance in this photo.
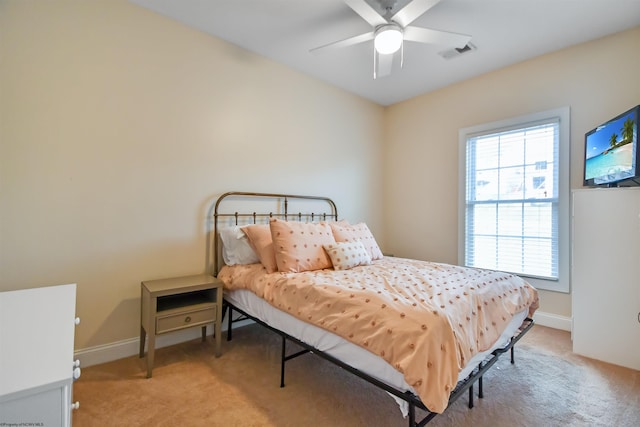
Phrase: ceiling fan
[392,30]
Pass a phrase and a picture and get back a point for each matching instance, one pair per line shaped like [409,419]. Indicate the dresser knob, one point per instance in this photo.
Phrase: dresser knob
[76,373]
[187,319]
[76,363]
[77,321]
[75,405]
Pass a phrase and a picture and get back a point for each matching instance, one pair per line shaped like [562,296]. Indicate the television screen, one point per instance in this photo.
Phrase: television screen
[611,151]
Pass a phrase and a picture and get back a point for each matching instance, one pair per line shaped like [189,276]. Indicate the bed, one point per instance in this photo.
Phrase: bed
[424,332]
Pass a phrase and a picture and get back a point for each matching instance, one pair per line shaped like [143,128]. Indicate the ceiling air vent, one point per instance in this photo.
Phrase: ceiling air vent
[455,52]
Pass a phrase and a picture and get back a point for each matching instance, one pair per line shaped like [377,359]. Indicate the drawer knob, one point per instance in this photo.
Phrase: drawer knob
[76,321]
[187,319]
[75,405]
[76,373]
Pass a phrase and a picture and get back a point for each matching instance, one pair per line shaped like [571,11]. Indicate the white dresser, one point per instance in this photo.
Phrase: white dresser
[605,283]
[37,369]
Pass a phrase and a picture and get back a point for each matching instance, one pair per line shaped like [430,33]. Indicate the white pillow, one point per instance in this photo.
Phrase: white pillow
[346,255]
[236,248]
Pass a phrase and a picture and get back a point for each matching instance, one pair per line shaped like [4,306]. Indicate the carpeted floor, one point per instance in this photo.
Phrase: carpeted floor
[547,386]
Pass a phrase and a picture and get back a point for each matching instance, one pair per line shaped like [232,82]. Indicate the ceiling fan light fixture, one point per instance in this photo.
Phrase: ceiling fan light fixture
[388,39]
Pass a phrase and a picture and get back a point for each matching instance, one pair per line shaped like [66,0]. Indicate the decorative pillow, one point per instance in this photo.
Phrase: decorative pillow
[298,246]
[259,236]
[346,255]
[236,248]
[354,233]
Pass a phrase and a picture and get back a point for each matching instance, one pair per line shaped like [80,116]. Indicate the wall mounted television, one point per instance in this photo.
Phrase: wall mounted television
[612,155]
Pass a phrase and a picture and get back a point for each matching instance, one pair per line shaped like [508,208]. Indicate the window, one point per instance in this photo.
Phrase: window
[514,197]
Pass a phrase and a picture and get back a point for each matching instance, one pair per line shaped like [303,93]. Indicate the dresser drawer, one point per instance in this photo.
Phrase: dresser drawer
[185,319]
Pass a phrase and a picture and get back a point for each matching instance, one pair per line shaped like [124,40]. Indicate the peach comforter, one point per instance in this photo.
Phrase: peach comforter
[425,319]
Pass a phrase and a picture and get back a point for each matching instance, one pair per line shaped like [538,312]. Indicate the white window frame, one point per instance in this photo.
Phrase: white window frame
[562,283]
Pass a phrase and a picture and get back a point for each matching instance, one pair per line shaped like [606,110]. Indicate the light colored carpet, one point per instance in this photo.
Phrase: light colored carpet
[547,386]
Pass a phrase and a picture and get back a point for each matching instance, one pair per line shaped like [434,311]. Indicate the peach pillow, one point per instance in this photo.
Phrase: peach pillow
[298,246]
[259,236]
[346,255]
[354,233]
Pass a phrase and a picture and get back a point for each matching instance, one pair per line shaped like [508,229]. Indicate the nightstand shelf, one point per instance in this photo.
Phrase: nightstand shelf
[171,302]
[169,305]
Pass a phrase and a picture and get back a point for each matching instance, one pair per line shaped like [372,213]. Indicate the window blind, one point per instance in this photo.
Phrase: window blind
[512,196]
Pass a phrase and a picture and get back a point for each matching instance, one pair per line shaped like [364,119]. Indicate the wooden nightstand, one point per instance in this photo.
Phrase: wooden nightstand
[178,303]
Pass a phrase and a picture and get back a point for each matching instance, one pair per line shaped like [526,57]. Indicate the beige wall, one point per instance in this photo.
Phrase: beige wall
[118,130]
[598,80]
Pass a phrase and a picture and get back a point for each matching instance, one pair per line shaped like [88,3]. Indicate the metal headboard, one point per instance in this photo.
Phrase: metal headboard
[281,201]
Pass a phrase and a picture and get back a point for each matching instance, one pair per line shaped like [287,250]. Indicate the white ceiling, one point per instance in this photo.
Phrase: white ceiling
[504,31]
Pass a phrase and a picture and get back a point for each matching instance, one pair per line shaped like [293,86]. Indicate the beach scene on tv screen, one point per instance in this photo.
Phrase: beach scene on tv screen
[610,150]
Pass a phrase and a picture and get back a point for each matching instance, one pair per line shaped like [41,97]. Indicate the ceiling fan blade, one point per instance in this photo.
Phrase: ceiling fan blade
[343,43]
[437,37]
[383,65]
[369,14]
[413,11]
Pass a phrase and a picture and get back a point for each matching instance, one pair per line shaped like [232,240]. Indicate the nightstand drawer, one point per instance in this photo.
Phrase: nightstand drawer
[185,319]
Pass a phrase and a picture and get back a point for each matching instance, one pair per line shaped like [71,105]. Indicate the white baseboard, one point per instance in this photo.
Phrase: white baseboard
[551,320]
[129,347]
